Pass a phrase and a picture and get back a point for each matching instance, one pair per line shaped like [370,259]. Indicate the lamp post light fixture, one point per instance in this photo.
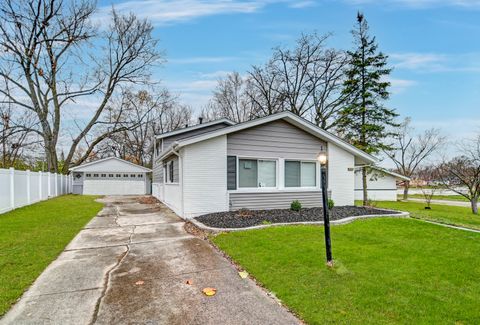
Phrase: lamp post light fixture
[322,159]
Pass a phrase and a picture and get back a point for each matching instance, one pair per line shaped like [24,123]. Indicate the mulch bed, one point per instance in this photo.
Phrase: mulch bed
[249,218]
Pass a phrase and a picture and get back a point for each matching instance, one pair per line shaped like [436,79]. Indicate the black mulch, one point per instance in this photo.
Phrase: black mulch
[248,218]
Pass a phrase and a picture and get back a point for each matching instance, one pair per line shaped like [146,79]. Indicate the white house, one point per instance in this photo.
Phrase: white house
[110,176]
[381,184]
[264,163]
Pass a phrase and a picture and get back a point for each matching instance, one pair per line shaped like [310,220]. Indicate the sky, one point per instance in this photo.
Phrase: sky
[433,46]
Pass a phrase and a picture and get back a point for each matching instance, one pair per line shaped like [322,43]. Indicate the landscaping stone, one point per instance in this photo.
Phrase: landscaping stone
[248,218]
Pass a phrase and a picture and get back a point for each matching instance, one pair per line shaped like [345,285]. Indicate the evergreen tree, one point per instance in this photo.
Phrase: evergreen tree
[364,120]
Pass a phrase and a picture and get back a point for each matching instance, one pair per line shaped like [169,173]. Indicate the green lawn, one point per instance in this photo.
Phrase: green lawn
[388,271]
[437,197]
[33,236]
[459,216]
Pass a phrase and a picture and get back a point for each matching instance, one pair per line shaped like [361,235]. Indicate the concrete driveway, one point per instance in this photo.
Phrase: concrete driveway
[130,265]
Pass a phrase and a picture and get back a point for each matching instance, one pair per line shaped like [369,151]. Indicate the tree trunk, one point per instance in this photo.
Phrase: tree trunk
[364,182]
[406,187]
[473,203]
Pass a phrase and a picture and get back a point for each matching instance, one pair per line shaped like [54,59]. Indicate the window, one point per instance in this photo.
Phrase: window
[132,175]
[89,175]
[95,175]
[118,175]
[110,175]
[140,175]
[300,174]
[170,171]
[104,175]
[125,175]
[257,173]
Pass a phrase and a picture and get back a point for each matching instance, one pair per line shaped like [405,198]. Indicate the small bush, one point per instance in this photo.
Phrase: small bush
[295,205]
[331,204]
[266,222]
[371,203]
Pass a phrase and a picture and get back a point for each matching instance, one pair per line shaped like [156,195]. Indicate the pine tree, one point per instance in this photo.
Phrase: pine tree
[365,121]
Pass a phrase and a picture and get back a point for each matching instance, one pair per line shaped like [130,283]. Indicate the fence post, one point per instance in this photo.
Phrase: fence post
[29,199]
[39,185]
[56,184]
[12,188]
[49,185]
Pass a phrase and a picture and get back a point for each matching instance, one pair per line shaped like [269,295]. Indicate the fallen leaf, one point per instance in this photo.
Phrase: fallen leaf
[189,282]
[243,274]
[139,283]
[209,291]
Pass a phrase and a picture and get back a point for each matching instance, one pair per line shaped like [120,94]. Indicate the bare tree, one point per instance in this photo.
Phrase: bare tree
[230,99]
[154,111]
[49,64]
[462,174]
[430,187]
[327,81]
[411,150]
[16,137]
[264,91]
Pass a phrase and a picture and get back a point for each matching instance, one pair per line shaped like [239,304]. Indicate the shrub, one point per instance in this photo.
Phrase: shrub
[266,222]
[331,204]
[295,205]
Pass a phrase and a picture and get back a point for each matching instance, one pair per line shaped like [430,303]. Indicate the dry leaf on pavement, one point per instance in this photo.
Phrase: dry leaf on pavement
[243,274]
[140,282]
[189,282]
[209,291]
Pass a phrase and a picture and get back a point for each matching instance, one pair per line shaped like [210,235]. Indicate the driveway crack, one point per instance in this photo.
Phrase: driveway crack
[107,277]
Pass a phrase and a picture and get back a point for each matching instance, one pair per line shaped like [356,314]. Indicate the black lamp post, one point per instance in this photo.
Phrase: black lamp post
[322,158]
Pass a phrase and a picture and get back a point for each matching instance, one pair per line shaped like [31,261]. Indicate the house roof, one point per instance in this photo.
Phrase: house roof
[287,116]
[194,127]
[110,164]
[388,172]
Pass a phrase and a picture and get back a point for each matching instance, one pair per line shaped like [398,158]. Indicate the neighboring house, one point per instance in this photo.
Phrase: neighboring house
[111,176]
[381,184]
[264,163]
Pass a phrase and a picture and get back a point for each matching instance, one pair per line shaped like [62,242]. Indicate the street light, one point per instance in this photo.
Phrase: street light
[322,159]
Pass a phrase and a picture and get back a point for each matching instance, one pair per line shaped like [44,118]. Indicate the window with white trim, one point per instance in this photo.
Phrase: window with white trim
[254,173]
[300,173]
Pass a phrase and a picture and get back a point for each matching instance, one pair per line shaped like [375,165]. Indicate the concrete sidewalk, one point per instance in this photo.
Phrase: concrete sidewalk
[130,265]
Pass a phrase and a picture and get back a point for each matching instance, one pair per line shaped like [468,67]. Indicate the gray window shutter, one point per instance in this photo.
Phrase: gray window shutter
[231,172]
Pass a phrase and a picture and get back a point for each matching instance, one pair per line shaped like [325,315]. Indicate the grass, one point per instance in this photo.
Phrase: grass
[452,215]
[31,237]
[437,197]
[388,271]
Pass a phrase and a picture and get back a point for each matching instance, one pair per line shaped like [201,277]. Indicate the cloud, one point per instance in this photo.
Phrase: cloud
[432,62]
[302,4]
[170,11]
[400,85]
[422,4]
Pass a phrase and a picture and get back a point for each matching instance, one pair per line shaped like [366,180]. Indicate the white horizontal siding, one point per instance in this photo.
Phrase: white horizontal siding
[341,178]
[205,177]
[380,186]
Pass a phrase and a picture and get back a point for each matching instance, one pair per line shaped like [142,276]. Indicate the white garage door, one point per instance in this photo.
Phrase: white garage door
[114,184]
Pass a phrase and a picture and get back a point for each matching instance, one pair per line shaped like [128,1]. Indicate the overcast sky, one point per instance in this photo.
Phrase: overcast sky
[433,45]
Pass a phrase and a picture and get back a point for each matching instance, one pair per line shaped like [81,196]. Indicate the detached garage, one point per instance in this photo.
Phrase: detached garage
[110,176]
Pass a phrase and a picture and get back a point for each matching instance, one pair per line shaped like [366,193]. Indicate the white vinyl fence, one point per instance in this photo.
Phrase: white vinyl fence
[19,188]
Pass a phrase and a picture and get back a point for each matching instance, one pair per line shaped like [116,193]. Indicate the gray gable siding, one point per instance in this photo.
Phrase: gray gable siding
[169,140]
[275,139]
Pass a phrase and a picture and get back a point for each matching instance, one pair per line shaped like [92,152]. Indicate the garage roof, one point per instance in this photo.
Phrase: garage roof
[111,165]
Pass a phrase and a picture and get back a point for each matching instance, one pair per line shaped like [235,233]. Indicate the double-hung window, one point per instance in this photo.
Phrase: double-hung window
[254,173]
[300,173]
